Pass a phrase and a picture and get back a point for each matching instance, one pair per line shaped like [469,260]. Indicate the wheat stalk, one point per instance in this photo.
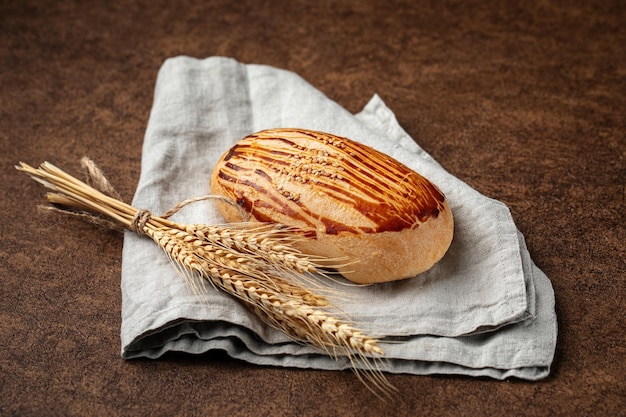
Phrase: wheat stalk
[255,264]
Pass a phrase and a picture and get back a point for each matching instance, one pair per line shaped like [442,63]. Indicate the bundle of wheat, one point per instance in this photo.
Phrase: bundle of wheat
[255,263]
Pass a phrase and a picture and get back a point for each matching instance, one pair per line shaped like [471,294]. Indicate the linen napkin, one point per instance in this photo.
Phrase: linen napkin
[484,309]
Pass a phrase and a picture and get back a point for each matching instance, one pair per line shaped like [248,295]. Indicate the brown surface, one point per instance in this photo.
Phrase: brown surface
[525,102]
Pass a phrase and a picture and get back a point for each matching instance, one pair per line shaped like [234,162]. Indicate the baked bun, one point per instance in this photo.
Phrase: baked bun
[351,201]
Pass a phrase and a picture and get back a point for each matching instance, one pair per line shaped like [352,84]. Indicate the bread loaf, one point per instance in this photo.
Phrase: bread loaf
[349,200]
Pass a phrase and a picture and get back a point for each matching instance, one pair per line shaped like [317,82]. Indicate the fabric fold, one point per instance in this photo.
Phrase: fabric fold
[485,309]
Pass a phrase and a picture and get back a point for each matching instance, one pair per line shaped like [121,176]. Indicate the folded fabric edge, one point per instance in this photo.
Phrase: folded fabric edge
[235,349]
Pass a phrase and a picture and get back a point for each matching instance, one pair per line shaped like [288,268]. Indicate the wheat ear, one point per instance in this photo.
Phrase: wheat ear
[254,264]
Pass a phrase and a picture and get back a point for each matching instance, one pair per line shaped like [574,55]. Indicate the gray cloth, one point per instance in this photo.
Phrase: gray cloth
[485,309]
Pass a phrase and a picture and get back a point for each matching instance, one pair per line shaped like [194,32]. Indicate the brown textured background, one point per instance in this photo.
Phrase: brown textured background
[524,100]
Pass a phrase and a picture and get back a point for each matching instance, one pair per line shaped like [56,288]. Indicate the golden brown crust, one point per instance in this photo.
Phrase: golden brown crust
[351,200]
